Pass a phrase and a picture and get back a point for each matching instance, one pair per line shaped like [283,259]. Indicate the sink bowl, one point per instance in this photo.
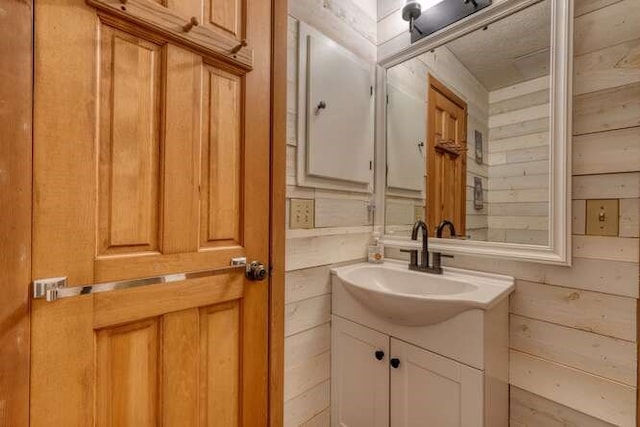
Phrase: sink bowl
[411,298]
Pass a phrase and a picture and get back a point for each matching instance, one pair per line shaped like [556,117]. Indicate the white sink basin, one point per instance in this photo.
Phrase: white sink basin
[411,298]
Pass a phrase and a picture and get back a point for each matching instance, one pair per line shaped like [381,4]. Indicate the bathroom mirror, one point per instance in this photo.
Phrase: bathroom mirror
[476,130]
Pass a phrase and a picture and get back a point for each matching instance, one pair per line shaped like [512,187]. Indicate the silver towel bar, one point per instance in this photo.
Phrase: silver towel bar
[57,288]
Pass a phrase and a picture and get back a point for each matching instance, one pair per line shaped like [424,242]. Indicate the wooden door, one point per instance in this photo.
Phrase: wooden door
[431,390]
[446,157]
[360,385]
[151,158]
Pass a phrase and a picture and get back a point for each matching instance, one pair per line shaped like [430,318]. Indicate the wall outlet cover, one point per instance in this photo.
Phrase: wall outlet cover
[301,214]
[603,217]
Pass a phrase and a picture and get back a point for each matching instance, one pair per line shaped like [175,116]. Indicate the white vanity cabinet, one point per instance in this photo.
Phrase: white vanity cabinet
[430,390]
[380,381]
[360,371]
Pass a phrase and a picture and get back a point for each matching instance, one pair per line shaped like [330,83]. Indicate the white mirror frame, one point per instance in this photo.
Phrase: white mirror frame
[559,250]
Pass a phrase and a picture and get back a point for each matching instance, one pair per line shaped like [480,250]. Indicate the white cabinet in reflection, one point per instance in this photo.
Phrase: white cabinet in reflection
[406,140]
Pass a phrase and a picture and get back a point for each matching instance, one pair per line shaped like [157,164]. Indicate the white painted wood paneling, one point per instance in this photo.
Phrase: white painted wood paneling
[606,68]
[604,314]
[608,186]
[606,27]
[307,344]
[307,314]
[530,410]
[601,247]
[306,375]
[604,399]
[341,212]
[308,283]
[620,152]
[630,218]
[607,109]
[607,357]
[579,212]
[306,406]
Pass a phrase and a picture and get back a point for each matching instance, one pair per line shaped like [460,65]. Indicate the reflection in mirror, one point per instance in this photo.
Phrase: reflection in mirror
[468,133]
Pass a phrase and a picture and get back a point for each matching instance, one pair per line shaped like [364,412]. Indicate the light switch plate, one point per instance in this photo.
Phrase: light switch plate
[603,217]
[301,213]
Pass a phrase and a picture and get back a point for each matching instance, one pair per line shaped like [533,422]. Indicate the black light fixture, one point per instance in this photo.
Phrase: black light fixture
[428,16]
[410,12]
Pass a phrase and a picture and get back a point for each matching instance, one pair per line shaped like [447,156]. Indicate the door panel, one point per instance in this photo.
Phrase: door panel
[222,147]
[181,147]
[225,15]
[129,158]
[431,390]
[149,159]
[127,364]
[220,349]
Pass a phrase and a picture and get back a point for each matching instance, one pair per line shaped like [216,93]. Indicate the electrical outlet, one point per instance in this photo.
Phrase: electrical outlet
[603,217]
[301,213]
[418,213]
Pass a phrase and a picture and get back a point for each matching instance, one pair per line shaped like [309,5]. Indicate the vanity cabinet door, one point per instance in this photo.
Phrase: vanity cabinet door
[360,372]
[431,390]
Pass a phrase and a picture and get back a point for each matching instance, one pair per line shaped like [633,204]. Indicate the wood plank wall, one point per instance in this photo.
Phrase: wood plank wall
[343,226]
[16,52]
[573,330]
[519,163]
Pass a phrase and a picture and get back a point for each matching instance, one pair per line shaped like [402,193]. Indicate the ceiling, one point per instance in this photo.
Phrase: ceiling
[509,51]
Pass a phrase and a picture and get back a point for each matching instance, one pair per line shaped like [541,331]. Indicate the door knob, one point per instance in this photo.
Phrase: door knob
[256,271]
[395,363]
[379,354]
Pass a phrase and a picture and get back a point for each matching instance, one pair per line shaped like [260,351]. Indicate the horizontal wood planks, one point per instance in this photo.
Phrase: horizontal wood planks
[343,224]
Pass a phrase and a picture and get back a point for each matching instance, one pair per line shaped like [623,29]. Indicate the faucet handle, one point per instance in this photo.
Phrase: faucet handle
[413,262]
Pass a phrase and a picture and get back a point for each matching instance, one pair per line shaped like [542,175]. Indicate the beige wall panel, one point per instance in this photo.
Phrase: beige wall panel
[604,314]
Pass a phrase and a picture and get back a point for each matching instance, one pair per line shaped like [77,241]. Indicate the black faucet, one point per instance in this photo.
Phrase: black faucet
[424,254]
[437,256]
[442,225]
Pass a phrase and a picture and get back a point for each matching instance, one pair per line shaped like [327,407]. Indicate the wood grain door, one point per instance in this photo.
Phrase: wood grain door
[151,158]
[446,157]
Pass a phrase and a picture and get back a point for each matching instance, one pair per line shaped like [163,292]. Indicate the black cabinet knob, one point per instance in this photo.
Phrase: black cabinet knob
[379,354]
[395,363]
